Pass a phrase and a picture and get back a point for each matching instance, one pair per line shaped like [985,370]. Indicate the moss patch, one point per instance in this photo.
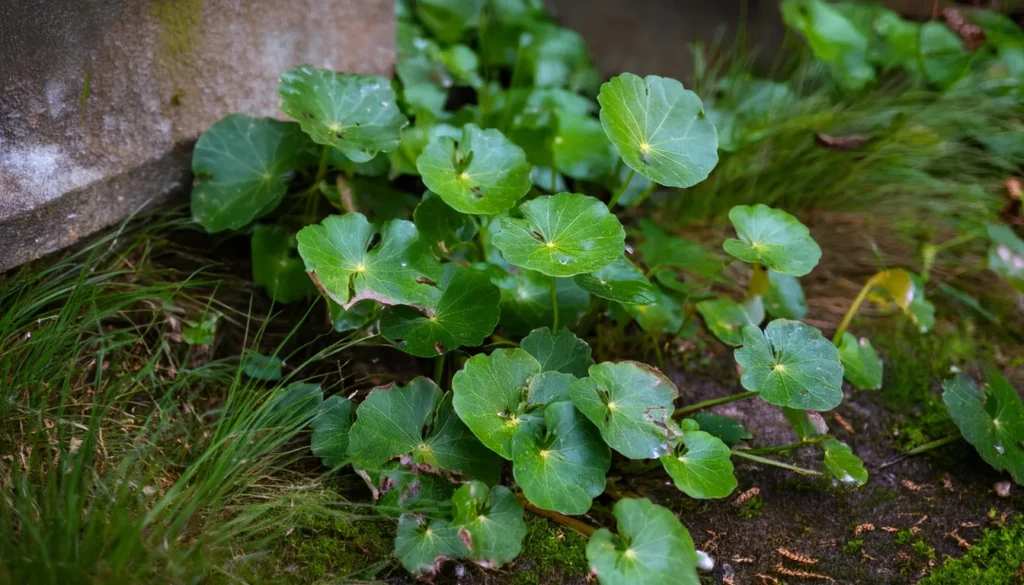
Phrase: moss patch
[997,558]
[551,554]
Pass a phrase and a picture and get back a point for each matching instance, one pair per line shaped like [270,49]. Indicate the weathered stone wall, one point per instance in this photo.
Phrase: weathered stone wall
[100,99]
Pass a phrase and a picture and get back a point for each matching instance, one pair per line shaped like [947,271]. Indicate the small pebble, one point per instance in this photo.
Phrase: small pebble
[1002,489]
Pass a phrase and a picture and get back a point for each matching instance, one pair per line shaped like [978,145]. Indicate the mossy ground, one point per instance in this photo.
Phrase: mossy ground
[997,558]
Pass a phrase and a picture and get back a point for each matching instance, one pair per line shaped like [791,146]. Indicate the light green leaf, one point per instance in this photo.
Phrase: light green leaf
[526,299]
[659,129]
[422,545]
[416,422]
[261,367]
[481,173]
[462,62]
[398,270]
[560,464]
[562,235]
[277,267]
[664,315]
[700,466]
[990,418]
[494,520]
[772,238]
[652,548]
[329,440]
[558,57]
[944,59]
[807,424]
[619,281]
[464,315]
[242,168]
[861,364]
[726,319]
[356,114]
[631,404]
[833,39]
[580,148]
[202,333]
[729,430]
[558,352]
[449,19]
[425,83]
[490,392]
[842,464]
[1006,255]
[441,227]
[791,364]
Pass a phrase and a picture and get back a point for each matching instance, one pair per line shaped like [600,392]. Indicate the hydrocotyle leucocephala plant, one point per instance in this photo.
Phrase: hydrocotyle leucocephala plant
[478,193]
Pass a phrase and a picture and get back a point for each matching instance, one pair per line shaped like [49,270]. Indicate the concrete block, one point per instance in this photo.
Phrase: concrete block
[100,100]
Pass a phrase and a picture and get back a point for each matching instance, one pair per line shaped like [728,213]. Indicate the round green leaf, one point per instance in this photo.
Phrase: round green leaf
[489,393]
[861,365]
[398,270]
[631,404]
[842,464]
[356,114]
[619,281]
[791,364]
[549,387]
[562,235]
[700,466]
[330,431]
[560,465]
[276,266]
[422,545]
[652,548]
[772,238]
[494,520]
[464,315]
[415,422]
[664,315]
[481,173]
[990,418]
[784,297]
[729,430]
[580,148]
[242,167]
[659,129]
[558,352]
[726,319]
[441,227]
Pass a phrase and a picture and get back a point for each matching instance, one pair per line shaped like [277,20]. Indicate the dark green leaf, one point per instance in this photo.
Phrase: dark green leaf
[277,267]
[440,226]
[242,167]
[398,270]
[526,299]
[449,19]
[558,352]
[549,387]
[562,235]
[772,238]
[464,315]
[356,114]
[944,59]
[481,173]
[664,315]
[397,490]
[661,250]
[791,364]
[659,129]
[651,548]
[494,520]
[990,418]
[631,404]
[355,318]
[729,430]
[580,148]
[619,281]
[861,365]
[422,545]
[560,464]
[842,464]
[330,431]
[261,367]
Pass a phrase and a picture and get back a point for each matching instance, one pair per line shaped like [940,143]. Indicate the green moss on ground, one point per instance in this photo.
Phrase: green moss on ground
[997,558]
[551,554]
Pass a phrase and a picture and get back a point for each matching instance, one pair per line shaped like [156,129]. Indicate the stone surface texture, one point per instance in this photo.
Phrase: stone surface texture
[100,100]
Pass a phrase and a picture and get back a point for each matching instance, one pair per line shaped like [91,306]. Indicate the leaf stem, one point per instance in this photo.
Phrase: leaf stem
[554,304]
[681,412]
[439,370]
[621,189]
[785,448]
[848,318]
[933,445]
[645,194]
[321,171]
[766,461]
[581,527]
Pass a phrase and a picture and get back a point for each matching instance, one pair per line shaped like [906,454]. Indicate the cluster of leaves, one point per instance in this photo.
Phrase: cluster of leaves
[495,112]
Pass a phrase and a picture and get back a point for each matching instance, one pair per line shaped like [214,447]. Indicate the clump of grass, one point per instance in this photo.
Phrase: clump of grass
[126,460]
[996,558]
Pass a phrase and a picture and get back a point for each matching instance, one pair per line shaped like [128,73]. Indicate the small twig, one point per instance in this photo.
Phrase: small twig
[581,527]
[681,412]
[921,449]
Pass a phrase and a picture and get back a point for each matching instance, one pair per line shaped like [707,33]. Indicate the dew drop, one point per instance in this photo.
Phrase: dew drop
[404,264]
[1000,449]
[629,249]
